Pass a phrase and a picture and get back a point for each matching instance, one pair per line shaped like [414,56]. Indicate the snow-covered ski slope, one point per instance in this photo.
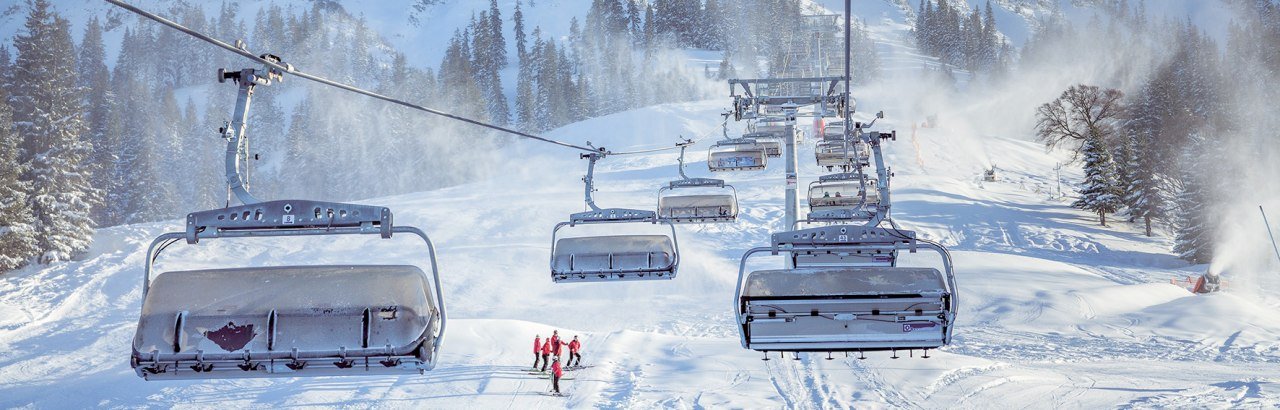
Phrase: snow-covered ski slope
[1055,311]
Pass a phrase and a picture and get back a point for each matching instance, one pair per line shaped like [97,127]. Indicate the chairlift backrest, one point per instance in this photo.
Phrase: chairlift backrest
[771,142]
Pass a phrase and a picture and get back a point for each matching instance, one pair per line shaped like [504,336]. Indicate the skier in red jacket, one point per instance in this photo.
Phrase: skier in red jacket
[556,372]
[556,343]
[546,354]
[574,347]
[537,350]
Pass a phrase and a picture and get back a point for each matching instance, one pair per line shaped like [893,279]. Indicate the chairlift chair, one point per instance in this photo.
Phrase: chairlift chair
[775,126]
[842,198]
[772,143]
[608,258]
[770,127]
[737,155]
[833,131]
[845,294]
[833,154]
[711,201]
[832,151]
[286,321]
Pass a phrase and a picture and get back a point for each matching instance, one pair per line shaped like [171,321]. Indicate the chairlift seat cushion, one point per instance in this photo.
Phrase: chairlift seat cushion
[617,253]
[318,309]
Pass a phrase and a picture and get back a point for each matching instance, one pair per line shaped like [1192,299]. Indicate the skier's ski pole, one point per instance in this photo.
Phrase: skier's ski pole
[1269,233]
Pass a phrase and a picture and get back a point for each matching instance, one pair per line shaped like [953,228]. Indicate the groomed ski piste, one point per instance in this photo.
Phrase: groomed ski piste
[1055,311]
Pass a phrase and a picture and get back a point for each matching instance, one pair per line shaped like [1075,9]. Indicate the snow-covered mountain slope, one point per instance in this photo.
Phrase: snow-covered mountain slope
[1055,310]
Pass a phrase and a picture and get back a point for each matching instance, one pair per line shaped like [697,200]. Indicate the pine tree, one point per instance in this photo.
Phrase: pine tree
[517,20]
[1147,199]
[486,61]
[1100,192]
[650,29]
[635,23]
[95,79]
[457,76]
[47,111]
[498,43]
[17,231]
[1194,228]
[550,92]
[6,64]
[989,53]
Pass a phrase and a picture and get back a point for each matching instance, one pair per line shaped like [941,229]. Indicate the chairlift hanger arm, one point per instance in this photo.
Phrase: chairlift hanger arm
[290,69]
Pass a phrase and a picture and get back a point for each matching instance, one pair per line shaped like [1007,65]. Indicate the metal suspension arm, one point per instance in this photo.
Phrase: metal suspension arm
[682,146]
[235,133]
[237,139]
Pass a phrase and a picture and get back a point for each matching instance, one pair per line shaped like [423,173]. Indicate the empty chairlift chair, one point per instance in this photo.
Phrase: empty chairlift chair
[603,258]
[775,126]
[352,319]
[697,200]
[737,155]
[845,294]
[772,143]
[833,131]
